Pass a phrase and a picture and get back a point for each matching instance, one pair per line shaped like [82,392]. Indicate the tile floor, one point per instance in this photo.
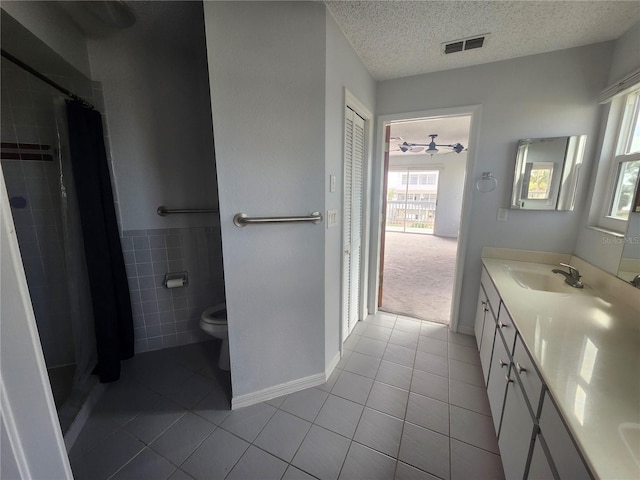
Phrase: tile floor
[406,402]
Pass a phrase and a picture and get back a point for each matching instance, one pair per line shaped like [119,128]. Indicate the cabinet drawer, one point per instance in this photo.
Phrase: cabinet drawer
[491,292]
[562,450]
[508,329]
[526,371]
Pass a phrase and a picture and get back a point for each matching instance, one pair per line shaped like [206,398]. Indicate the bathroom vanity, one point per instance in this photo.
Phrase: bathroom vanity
[561,365]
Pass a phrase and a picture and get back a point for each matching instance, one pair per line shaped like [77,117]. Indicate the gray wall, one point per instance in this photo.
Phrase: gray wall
[267,68]
[548,95]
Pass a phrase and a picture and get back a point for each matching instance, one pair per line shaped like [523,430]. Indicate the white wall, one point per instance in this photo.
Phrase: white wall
[547,95]
[267,69]
[53,26]
[597,247]
[344,69]
[156,93]
[450,186]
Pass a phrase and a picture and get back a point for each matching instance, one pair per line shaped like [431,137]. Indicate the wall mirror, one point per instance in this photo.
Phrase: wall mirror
[546,174]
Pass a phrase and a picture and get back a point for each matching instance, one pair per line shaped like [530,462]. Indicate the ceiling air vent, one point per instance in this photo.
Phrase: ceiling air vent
[465,44]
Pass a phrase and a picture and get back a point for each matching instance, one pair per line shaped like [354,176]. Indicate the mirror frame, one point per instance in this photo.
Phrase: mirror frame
[564,176]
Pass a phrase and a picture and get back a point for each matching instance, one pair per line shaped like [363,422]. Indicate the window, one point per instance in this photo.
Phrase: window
[413,179]
[625,166]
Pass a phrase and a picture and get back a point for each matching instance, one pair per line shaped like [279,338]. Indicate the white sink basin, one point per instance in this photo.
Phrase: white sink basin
[545,282]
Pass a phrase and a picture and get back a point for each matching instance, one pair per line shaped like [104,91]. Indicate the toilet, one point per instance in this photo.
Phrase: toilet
[214,321]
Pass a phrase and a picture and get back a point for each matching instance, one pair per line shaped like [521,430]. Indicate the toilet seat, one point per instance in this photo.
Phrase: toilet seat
[209,316]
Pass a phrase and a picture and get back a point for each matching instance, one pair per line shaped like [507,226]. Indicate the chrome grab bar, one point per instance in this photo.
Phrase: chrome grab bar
[164,211]
[241,219]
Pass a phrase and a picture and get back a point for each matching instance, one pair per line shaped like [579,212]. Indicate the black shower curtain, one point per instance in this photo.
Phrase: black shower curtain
[105,263]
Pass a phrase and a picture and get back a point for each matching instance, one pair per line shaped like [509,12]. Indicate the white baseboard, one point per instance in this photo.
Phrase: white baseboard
[277,391]
[332,366]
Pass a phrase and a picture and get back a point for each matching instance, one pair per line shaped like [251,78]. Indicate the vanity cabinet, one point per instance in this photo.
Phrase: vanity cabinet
[523,411]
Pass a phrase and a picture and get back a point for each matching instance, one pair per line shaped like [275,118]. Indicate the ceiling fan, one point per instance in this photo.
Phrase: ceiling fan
[432,146]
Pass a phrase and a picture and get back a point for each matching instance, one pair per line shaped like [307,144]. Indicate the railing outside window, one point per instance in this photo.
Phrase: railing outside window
[410,216]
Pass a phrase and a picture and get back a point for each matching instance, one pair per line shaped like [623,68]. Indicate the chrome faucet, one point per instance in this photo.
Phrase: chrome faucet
[572,277]
[636,281]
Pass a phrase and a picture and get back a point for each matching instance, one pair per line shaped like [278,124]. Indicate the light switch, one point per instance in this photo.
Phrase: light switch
[332,218]
[502,214]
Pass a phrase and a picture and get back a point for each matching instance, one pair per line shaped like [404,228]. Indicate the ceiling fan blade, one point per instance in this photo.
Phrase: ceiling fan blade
[416,149]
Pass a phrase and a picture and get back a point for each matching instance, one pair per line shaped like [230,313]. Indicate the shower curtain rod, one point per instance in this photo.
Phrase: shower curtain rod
[44,78]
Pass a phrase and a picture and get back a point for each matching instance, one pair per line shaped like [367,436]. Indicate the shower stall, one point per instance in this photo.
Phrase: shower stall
[37,173]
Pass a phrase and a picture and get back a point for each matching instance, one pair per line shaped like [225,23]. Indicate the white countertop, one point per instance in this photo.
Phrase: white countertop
[587,348]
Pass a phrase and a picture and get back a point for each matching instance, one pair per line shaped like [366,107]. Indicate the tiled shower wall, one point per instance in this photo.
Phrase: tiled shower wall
[167,317]
[28,116]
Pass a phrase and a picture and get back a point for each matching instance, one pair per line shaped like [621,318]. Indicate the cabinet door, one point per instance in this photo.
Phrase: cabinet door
[516,432]
[497,385]
[540,466]
[486,345]
[481,311]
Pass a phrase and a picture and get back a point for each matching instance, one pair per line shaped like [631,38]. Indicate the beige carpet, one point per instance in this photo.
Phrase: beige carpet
[418,275]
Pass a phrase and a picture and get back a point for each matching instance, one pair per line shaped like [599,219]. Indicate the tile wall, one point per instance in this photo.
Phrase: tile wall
[33,186]
[169,317]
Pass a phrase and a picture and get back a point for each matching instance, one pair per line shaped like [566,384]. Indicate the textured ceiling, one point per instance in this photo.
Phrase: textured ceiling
[402,38]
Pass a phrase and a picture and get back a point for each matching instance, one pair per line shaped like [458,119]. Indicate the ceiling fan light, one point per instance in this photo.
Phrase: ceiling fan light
[432,150]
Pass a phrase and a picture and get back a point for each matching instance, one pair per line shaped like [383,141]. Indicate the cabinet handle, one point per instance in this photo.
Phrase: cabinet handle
[520,368]
[506,377]
[502,363]
[483,302]
[502,325]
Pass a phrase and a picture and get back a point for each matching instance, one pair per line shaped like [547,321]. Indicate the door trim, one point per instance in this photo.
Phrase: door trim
[352,102]
[474,112]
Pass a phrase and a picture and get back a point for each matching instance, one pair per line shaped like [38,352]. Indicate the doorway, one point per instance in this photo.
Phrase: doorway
[424,178]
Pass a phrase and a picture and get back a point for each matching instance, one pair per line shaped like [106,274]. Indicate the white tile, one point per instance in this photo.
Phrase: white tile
[382,319]
[433,346]
[340,416]
[154,420]
[352,387]
[305,403]
[107,457]
[191,391]
[215,406]
[407,472]
[180,475]
[399,354]
[276,402]
[216,456]
[282,435]
[363,463]
[469,396]
[331,381]
[364,365]
[147,464]
[379,431]
[428,362]
[466,372]
[473,428]
[407,324]
[97,428]
[463,339]
[430,385]
[353,339]
[256,463]
[428,413]
[394,374]
[406,339]
[388,399]
[464,354]
[434,330]
[346,355]
[294,473]
[183,437]
[123,401]
[248,421]
[416,441]
[377,332]
[468,461]
[370,346]
[322,453]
